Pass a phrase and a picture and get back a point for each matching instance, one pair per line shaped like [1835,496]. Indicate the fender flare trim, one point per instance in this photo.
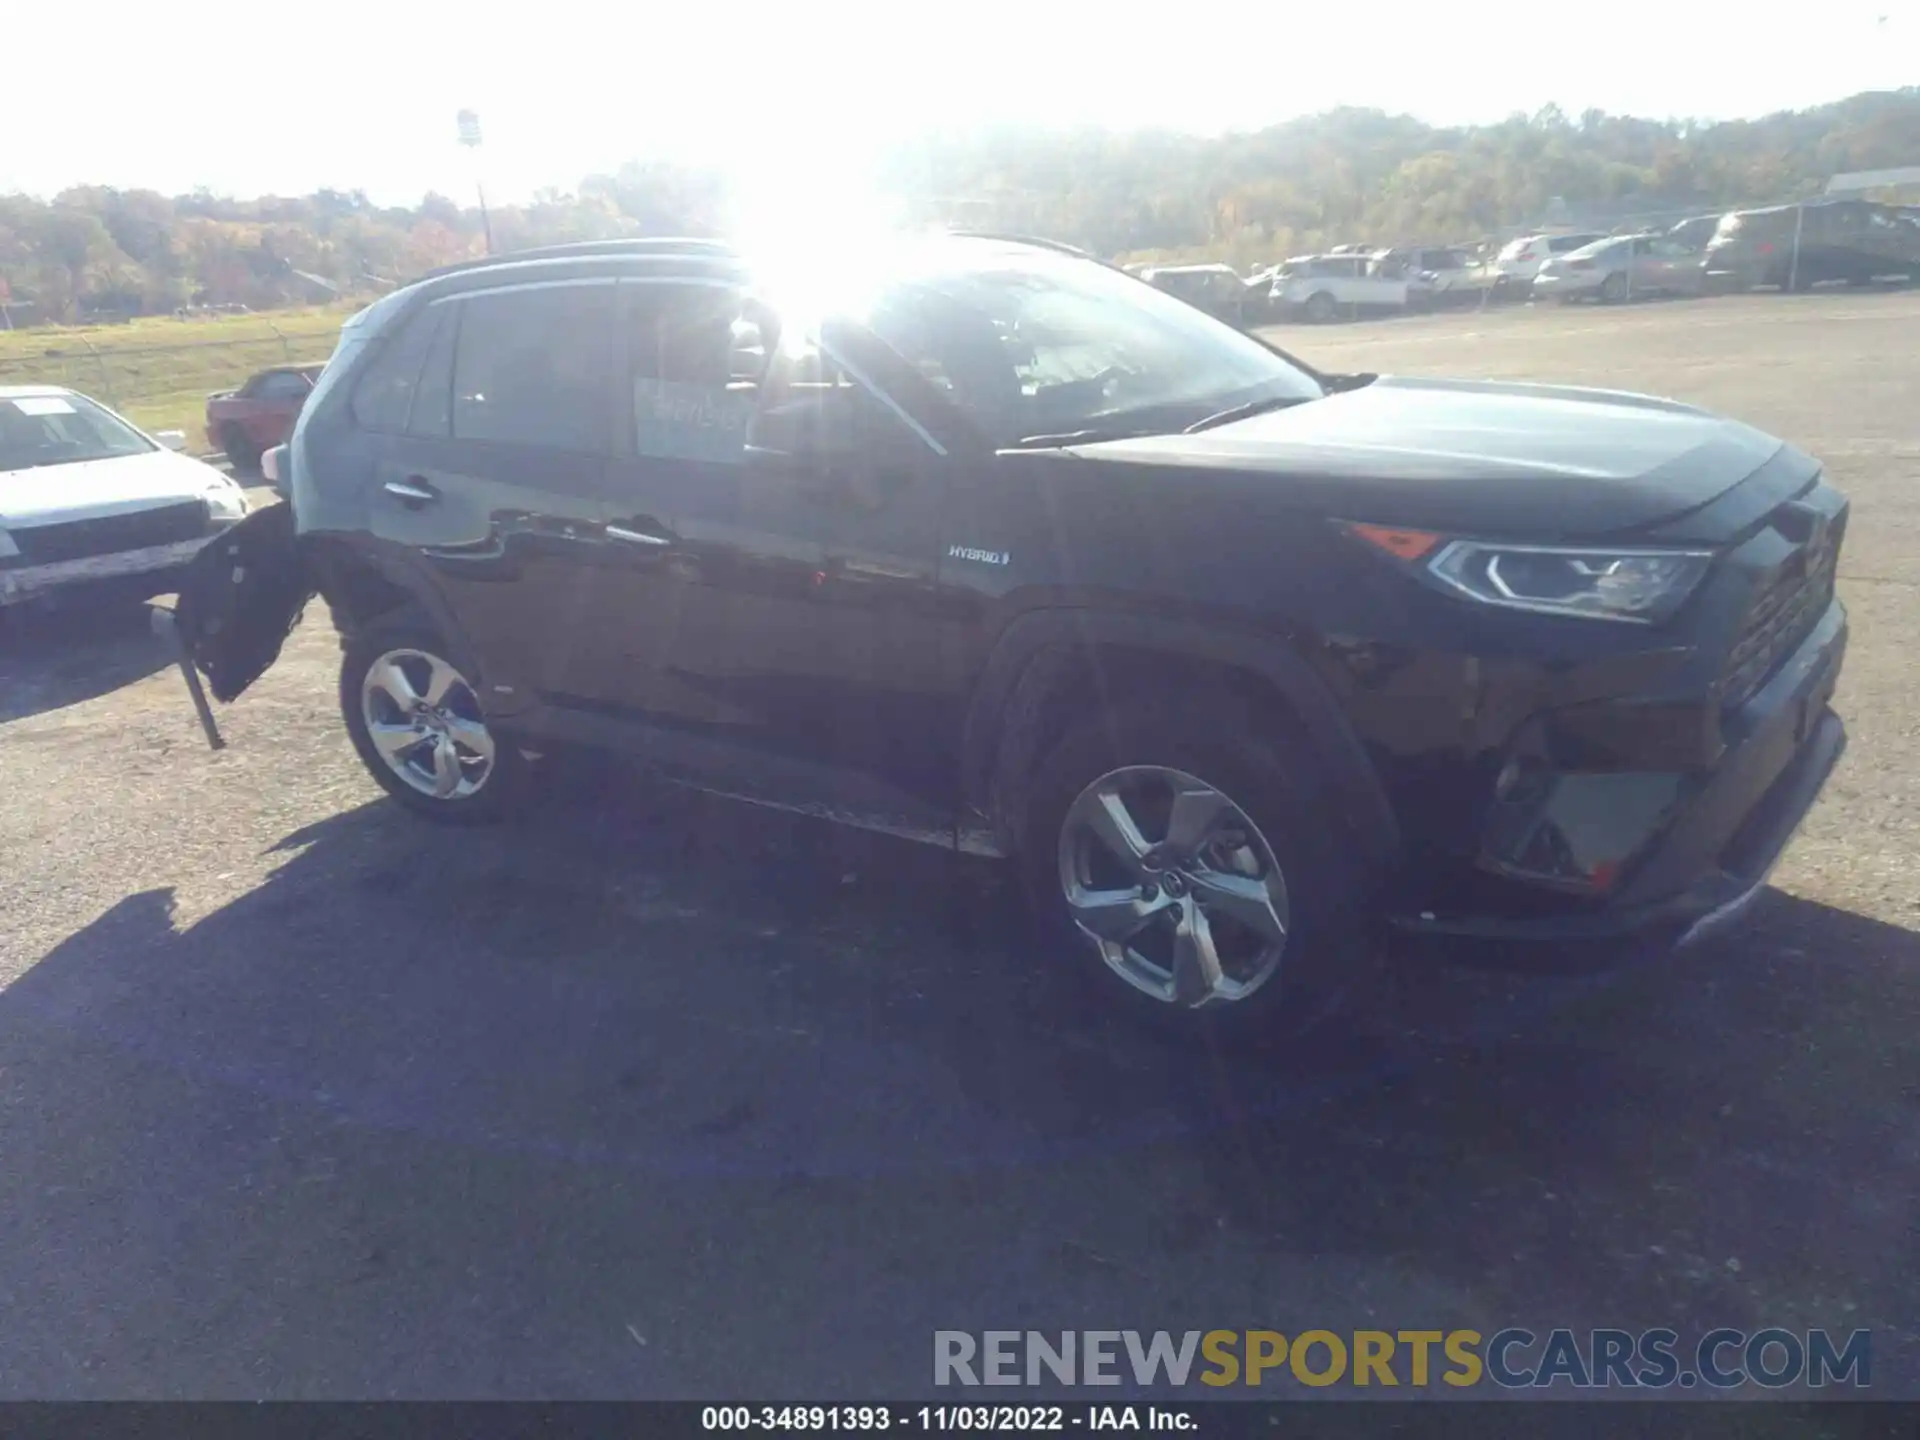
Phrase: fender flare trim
[1336,746]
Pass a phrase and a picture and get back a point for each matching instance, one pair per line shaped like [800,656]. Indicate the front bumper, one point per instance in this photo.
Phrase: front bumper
[30,580]
[1715,853]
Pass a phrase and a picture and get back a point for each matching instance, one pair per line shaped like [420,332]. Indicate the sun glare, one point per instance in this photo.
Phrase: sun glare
[812,235]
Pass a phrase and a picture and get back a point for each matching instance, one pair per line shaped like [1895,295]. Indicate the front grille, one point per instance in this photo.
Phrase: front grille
[111,534]
[1783,615]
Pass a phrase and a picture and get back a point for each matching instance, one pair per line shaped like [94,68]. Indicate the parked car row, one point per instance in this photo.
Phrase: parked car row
[1789,246]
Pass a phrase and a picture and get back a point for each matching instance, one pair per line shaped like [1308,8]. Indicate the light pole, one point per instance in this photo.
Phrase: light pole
[469,124]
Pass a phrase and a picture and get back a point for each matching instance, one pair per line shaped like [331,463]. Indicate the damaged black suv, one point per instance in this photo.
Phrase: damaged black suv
[984,542]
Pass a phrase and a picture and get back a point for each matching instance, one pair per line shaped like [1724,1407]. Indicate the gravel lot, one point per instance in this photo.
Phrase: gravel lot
[653,1095]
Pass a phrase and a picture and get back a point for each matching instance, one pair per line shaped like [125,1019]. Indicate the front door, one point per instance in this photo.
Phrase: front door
[793,607]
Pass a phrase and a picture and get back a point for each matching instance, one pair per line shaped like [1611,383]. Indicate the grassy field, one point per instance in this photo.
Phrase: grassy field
[158,371]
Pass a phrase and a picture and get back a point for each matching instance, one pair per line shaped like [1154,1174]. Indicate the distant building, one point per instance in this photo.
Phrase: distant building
[1856,181]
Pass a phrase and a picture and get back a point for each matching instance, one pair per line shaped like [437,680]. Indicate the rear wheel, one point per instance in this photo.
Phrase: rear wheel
[415,718]
[243,454]
[1191,873]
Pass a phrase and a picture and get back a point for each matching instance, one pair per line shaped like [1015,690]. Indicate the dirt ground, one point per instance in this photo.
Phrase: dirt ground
[653,1095]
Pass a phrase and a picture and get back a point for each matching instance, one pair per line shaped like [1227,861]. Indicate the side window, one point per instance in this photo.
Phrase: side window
[530,367]
[812,407]
[432,414]
[284,385]
[385,393]
[696,362]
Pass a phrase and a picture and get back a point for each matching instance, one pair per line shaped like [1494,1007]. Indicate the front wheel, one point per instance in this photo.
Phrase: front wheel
[1321,307]
[415,718]
[1613,289]
[1193,875]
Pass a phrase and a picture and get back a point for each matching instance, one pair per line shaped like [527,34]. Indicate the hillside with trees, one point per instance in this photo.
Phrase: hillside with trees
[1352,174]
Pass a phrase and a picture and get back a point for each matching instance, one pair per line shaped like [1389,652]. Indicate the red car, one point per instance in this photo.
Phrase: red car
[260,414]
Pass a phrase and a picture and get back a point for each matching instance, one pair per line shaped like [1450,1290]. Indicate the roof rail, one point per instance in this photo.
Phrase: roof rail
[636,245]
[1037,240]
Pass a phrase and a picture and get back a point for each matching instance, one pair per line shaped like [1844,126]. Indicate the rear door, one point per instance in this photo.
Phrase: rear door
[496,487]
[1645,270]
[1678,267]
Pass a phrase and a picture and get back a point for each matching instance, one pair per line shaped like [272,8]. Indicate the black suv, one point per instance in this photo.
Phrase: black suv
[1856,241]
[984,542]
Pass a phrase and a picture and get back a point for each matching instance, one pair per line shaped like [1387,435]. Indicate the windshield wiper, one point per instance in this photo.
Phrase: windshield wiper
[1246,411]
[1082,437]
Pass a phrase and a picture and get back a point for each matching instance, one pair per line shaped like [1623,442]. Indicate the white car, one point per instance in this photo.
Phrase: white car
[1432,271]
[1524,258]
[85,496]
[1326,287]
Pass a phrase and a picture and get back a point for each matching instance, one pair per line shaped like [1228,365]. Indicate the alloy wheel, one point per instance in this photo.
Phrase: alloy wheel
[424,720]
[1175,886]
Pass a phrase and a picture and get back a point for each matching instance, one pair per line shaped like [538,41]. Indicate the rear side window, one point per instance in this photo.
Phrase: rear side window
[695,363]
[432,413]
[385,393]
[531,367]
[283,385]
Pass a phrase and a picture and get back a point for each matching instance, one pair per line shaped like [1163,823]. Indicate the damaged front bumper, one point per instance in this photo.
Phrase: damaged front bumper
[23,582]
[239,598]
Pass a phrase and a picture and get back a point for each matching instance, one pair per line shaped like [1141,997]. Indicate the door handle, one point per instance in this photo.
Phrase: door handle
[414,489]
[636,537]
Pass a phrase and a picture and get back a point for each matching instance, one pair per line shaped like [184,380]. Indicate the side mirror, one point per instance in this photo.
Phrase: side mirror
[175,440]
[273,466]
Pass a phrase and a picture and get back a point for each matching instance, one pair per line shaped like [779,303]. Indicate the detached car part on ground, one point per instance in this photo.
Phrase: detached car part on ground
[1238,662]
[86,498]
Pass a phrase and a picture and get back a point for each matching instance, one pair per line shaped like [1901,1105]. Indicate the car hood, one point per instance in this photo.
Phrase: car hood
[90,489]
[1474,456]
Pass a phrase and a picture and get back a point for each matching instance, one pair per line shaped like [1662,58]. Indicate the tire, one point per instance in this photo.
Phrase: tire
[1321,307]
[1262,795]
[1613,289]
[240,451]
[490,775]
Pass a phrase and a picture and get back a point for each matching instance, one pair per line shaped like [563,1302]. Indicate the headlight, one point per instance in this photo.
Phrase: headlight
[226,502]
[1644,586]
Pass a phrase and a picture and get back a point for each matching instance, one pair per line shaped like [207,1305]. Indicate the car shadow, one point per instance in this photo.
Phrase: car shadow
[635,980]
[84,646]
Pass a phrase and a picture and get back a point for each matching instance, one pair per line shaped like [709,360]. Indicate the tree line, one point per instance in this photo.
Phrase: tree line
[1346,175]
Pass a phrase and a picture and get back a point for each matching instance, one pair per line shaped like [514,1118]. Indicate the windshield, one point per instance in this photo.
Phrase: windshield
[1029,343]
[37,430]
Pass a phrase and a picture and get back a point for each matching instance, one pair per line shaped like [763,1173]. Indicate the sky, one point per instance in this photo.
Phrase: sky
[250,99]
